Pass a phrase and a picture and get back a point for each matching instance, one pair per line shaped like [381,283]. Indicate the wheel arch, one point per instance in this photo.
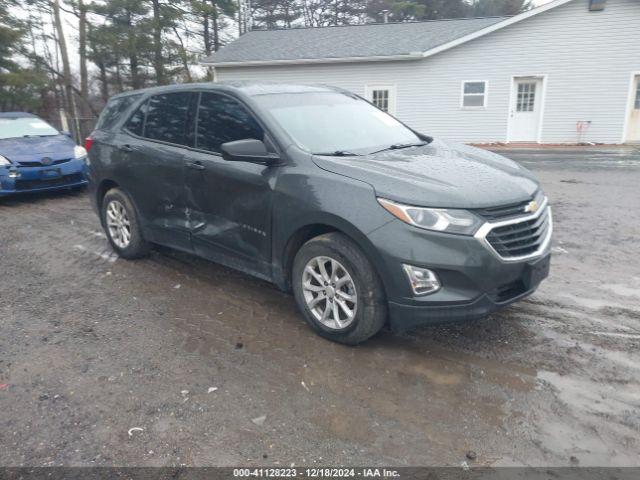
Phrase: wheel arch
[104,186]
[320,226]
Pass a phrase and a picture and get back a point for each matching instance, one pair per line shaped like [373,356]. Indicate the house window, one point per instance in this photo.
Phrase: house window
[637,106]
[380,98]
[474,94]
[526,101]
[383,97]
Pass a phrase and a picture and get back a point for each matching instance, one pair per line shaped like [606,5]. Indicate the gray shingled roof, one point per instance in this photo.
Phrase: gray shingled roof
[373,40]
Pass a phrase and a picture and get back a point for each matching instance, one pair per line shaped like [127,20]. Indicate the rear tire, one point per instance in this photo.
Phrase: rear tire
[332,277]
[122,226]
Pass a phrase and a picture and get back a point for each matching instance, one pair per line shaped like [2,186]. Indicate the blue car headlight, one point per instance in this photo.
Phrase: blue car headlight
[79,152]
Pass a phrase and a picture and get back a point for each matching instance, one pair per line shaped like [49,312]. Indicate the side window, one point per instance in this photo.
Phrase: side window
[136,123]
[113,110]
[167,116]
[222,119]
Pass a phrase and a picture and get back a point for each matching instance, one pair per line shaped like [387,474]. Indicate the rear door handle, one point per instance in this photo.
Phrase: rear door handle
[126,148]
[195,165]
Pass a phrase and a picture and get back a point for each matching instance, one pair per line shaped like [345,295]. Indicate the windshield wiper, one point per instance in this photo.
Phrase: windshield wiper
[338,153]
[399,146]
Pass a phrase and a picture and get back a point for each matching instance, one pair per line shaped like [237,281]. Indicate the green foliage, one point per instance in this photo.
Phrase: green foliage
[10,36]
[19,87]
[276,13]
[492,8]
[21,90]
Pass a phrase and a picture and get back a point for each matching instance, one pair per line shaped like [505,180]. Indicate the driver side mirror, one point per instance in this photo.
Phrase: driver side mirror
[249,150]
[64,132]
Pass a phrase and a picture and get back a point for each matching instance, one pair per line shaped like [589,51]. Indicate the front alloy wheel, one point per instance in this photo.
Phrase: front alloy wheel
[330,292]
[338,290]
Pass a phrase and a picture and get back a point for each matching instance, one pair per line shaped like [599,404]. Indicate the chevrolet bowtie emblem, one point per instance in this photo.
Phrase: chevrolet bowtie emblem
[532,207]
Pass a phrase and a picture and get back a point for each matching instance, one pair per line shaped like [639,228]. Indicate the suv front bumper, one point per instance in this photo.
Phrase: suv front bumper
[406,316]
[475,281]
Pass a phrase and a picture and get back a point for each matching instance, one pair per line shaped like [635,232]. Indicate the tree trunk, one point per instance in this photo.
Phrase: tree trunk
[158,62]
[183,56]
[104,82]
[66,69]
[132,54]
[207,42]
[86,123]
[119,80]
[216,27]
[135,74]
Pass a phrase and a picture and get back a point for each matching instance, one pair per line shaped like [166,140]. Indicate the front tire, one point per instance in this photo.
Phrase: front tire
[122,226]
[337,290]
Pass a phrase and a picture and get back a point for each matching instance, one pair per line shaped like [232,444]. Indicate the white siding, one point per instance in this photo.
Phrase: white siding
[587,57]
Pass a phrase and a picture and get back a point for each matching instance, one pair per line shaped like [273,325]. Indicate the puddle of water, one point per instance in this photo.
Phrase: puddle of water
[594,397]
[631,336]
[591,303]
[599,415]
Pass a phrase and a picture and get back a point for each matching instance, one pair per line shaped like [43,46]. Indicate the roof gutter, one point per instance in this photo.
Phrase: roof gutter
[309,61]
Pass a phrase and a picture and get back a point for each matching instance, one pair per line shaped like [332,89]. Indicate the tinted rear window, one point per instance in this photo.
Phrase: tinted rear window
[113,110]
[167,117]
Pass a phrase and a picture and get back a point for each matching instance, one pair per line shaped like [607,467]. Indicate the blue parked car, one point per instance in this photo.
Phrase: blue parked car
[35,157]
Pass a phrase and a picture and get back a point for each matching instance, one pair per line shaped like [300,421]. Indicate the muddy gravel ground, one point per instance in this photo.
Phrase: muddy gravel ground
[173,360]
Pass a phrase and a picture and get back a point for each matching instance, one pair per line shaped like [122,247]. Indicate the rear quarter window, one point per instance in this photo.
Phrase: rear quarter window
[114,110]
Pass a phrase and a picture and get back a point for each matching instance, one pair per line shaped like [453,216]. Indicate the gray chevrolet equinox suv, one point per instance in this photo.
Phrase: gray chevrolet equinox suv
[312,188]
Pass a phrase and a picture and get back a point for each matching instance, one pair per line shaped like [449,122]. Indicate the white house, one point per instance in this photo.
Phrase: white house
[566,72]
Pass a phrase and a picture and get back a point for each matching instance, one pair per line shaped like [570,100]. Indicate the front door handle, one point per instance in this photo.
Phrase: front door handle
[126,148]
[195,165]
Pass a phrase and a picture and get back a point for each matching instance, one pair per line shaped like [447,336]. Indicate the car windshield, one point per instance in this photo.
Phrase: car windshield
[333,123]
[25,127]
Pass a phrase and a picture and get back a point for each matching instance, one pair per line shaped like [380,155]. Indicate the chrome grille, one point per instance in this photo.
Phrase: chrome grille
[499,213]
[519,238]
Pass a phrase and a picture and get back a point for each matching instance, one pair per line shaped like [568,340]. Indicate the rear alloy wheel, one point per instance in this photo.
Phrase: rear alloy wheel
[121,224]
[118,224]
[337,289]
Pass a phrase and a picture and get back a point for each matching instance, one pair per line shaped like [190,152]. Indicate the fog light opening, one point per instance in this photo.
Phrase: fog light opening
[422,280]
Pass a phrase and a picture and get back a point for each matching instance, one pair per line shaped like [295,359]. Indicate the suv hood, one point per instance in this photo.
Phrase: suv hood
[27,149]
[440,174]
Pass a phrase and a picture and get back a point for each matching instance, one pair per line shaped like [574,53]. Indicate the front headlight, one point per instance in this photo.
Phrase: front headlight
[79,152]
[4,162]
[438,219]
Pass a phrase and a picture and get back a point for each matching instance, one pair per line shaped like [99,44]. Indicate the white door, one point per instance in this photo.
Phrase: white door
[633,127]
[526,109]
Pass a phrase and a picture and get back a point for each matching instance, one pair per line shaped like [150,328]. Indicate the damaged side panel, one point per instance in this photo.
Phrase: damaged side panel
[153,173]
[230,211]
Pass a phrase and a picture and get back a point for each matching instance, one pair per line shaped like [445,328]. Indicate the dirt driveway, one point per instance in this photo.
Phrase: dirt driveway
[173,360]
